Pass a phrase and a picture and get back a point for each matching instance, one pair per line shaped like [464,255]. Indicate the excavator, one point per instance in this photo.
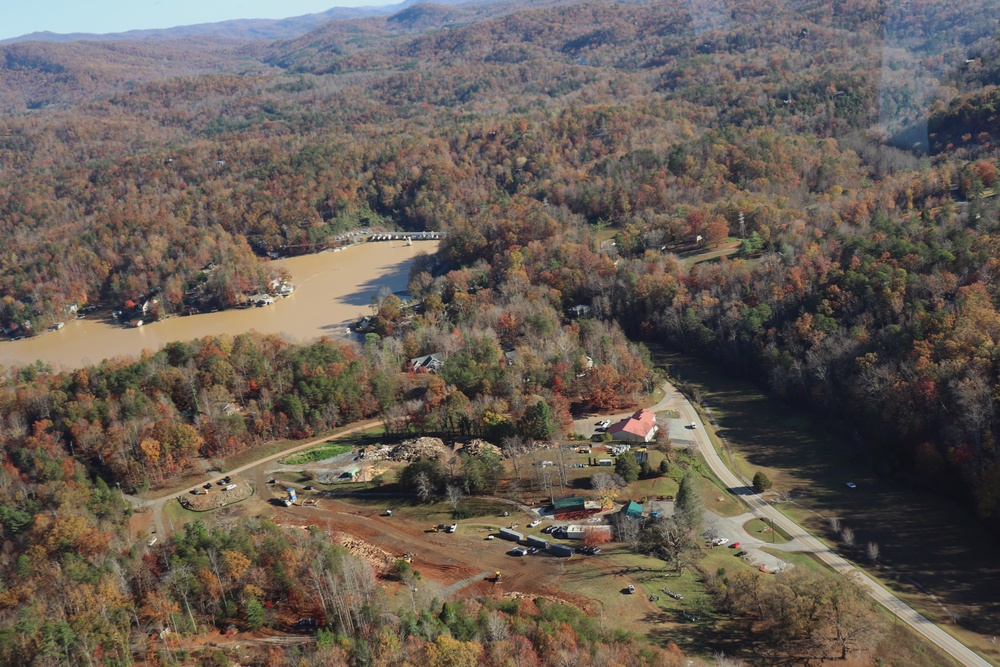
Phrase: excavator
[408,558]
[496,577]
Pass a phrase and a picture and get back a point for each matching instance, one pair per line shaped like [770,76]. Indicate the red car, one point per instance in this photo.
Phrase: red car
[734,545]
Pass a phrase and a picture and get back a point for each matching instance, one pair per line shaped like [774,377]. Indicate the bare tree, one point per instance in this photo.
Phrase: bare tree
[722,660]
[627,529]
[455,495]
[513,447]
[497,629]
[607,486]
[835,525]
[425,488]
[873,551]
[848,536]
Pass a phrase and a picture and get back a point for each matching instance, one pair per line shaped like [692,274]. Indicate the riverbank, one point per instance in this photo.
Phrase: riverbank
[332,290]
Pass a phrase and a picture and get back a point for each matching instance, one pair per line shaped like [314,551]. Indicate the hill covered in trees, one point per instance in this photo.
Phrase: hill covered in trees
[578,154]
[862,288]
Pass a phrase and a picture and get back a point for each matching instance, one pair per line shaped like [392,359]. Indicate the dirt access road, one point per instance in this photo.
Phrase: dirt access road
[810,544]
[155,505]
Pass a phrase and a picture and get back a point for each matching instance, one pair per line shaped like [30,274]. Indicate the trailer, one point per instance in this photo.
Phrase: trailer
[512,535]
[561,550]
[539,542]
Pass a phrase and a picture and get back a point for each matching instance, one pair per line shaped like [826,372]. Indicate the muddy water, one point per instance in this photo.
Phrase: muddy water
[332,289]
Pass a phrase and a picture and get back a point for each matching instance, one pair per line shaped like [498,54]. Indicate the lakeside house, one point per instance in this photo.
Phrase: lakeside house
[640,427]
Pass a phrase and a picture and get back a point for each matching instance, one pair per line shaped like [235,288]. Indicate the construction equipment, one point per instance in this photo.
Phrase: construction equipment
[408,558]
[496,577]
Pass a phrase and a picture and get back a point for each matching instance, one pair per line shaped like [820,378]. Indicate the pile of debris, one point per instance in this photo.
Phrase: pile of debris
[477,447]
[380,559]
[411,450]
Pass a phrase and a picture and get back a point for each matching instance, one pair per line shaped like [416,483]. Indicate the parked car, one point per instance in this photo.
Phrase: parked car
[533,550]
[208,485]
[603,424]
[741,553]
[631,588]
[229,487]
[518,551]
[548,529]
[534,523]
[719,541]
[852,485]
[452,528]
[734,545]
[151,542]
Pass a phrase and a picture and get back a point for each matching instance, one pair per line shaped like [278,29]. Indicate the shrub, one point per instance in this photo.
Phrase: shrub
[760,482]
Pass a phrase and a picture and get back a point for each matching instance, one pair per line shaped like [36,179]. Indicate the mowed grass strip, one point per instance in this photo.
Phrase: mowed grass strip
[321,452]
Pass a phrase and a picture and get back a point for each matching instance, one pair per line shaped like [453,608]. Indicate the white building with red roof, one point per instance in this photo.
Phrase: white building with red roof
[640,427]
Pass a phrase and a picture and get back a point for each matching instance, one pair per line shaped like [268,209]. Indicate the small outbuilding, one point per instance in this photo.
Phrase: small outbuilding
[511,534]
[539,542]
[561,550]
[632,510]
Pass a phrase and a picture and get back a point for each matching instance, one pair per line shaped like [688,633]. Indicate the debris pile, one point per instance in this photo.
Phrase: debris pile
[380,559]
[410,450]
[477,447]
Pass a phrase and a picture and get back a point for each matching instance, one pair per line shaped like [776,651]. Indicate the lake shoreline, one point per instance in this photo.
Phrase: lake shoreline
[324,303]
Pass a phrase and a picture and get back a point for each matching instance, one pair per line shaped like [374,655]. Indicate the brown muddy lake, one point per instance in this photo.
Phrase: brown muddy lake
[332,289]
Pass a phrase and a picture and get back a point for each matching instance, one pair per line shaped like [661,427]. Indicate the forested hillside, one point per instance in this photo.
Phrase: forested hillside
[862,287]
[584,153]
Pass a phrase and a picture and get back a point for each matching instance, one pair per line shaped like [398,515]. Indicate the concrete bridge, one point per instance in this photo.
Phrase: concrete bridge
[403,236]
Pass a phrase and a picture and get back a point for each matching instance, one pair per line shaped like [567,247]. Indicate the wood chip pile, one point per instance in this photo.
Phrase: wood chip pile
[380,559]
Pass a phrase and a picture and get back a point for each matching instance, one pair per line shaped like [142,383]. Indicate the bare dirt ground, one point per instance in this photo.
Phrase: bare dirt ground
[440,557]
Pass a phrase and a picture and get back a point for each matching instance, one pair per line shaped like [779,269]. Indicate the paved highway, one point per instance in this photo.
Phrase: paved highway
[903,611]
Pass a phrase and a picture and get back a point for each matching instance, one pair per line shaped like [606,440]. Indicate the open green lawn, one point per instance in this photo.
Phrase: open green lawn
[175,516]
[764,531]
[318,453]
[930,543]
[605,578]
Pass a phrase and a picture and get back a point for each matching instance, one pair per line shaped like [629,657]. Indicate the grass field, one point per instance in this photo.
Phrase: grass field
[929,544]
[318,453]
[763,531]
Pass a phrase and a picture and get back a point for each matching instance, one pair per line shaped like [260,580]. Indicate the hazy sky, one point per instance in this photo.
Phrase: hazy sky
[20,17]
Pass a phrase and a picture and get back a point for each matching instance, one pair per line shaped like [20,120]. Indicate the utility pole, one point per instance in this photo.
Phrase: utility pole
[743,226]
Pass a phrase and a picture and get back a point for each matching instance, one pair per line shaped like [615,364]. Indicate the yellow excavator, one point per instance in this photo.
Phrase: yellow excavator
[408,558]
[496,577]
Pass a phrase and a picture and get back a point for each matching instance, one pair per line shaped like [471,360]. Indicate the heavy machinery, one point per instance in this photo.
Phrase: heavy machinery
[496,577]
[408,558]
